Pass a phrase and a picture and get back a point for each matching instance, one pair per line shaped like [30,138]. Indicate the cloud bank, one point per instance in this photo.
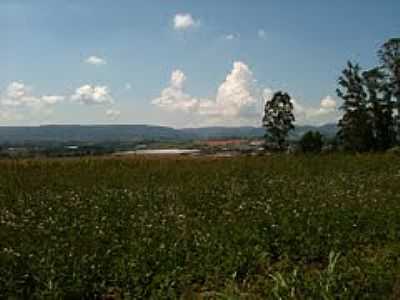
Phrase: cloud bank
[18,102]
[236,101]
[239,101]
[19,95]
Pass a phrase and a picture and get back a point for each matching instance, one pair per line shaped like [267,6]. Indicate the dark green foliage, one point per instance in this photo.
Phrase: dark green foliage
[389,55]
[368,122]
[277,227]
[380,109]
[371,120]
[312,142]
[355,126]
[278,119]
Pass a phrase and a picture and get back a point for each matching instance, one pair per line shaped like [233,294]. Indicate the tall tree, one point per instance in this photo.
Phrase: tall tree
[355,130]
[380,109]
[389,55]
[278,119]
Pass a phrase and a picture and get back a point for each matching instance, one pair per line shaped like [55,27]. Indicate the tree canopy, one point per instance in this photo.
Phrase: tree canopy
[278,119]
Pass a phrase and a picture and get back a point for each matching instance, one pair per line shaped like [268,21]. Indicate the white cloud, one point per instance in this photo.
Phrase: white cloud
[185,21]
[261,34]
[128,86]
[174,98]
[178,79]
[328,103]
[238,95]
[18,102]
[325,113]
[90,94]
[52,99]
[113,114]
[95,60]
[232,36]
[18,95]
[239,101]
[16,90]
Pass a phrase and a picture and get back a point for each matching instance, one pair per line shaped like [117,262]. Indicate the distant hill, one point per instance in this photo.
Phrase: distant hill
[328,130]
[127,133]
[83,133]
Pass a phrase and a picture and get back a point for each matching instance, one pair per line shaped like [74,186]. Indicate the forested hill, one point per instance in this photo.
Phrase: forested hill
[105,133]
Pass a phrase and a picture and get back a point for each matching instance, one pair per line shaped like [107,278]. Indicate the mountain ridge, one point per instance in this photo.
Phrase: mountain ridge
[109,133]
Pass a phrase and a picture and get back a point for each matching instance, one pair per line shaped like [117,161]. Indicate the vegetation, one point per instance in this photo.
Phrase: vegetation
[355,130]
[371,119]
[275,227]
[311,142]
[265,227]
[278,119]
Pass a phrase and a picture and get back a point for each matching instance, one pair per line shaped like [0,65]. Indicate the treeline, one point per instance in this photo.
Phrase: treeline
[371,105]
[371,108]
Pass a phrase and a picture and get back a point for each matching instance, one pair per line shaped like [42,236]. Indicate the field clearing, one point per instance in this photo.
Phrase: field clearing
[276,227]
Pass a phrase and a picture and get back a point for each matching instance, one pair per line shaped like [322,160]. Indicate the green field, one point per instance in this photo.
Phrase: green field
[276,227]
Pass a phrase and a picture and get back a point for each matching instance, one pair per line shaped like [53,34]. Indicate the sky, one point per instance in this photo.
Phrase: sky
[181,63]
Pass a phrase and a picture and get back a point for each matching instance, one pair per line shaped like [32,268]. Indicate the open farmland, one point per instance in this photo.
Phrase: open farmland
[277,227]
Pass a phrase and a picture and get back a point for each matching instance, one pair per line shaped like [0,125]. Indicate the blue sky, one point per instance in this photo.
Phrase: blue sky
[181,63]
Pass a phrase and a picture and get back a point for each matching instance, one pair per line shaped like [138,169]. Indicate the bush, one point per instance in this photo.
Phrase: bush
[311,142]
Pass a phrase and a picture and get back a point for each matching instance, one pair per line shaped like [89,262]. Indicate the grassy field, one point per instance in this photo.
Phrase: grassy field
[277,227]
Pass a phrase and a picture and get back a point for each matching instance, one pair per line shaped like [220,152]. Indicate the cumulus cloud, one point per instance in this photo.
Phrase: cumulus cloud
[178,79]
[113,114]
[95,60]
[18,95]
[174,97]
[238,95]
[328,103]
[185,21]
[16,90]
[239,101]
[325,113]
[18,102]
[91,94]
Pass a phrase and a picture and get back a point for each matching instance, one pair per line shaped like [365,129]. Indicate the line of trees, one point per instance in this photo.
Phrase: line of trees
[371,120]
[371,107]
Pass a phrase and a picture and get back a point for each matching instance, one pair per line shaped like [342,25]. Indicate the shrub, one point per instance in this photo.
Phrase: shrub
[311,142]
